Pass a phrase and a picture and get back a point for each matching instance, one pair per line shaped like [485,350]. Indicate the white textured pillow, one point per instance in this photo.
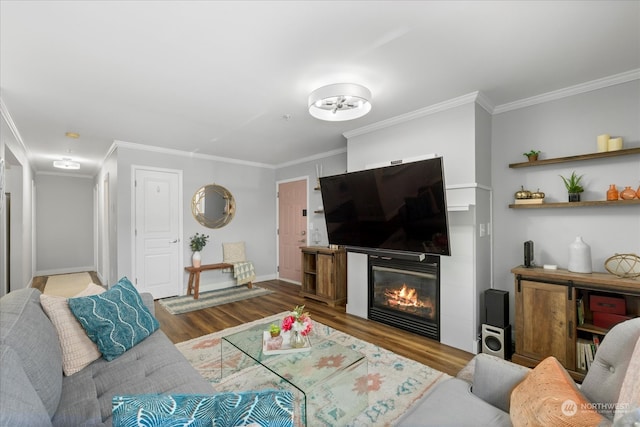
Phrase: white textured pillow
[233,252]
[78,350]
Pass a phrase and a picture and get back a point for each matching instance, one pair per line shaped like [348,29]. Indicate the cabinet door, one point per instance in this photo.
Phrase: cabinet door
[326,284]
[545,325]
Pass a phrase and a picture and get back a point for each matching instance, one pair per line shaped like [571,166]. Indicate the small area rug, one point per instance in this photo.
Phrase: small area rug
[186,303]
[67,285]
[394,383]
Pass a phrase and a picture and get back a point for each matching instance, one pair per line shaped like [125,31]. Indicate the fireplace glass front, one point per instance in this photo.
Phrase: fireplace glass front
[406,295]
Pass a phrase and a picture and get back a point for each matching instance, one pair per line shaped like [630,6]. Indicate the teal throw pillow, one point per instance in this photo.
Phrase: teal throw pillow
[273,408]
[115,320]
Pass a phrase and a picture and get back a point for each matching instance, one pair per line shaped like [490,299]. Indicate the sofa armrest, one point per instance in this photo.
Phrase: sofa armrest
[494,379]
[147,299]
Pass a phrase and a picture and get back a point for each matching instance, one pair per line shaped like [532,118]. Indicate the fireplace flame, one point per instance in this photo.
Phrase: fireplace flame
[405,296]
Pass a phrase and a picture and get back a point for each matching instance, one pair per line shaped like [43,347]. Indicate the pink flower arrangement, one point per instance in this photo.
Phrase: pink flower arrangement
[298,320]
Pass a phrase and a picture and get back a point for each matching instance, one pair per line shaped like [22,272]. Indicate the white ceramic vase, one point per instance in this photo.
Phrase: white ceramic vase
[196,259]
[579,257]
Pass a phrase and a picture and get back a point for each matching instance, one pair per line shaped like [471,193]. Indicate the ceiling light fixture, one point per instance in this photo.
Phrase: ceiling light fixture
[339,102]
[73,135]
[66,163]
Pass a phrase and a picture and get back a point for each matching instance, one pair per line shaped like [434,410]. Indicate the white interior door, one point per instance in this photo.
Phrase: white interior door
[158,231]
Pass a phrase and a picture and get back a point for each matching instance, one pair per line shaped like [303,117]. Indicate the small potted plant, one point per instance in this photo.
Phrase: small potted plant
[197,243]
[532,155]
[275,342]
[274,330]
[573,186]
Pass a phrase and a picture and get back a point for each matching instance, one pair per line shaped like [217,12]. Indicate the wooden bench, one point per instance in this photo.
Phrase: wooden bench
[194,276]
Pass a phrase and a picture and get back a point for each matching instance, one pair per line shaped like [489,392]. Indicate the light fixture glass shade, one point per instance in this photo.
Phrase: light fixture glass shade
[66,164]
[339,102]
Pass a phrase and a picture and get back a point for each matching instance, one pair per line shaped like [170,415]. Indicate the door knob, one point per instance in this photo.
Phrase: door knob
[175,241]
[303,232]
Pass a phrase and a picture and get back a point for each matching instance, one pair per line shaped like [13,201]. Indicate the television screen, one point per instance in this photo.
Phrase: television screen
[396,208]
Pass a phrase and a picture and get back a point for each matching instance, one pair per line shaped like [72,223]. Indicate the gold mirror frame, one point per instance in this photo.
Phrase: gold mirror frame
[213,206]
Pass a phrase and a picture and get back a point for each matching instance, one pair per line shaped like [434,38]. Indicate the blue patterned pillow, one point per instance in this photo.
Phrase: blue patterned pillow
[273,408]
[115,320]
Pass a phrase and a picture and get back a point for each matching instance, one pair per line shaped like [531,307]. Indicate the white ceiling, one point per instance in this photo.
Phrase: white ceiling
[217,77]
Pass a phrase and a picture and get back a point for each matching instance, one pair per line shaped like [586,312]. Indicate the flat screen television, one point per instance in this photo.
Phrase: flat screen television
[399,208]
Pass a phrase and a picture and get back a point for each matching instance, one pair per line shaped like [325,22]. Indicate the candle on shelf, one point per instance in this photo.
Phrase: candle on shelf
[615,144]
[603,143]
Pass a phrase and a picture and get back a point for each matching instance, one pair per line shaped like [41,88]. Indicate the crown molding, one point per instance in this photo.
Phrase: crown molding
[65,175]
[570,91]
[478,97]
[4,112]
[142,147]
[312,158]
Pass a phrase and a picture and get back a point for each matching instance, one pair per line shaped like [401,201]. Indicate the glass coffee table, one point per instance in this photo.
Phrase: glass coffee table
[329,379]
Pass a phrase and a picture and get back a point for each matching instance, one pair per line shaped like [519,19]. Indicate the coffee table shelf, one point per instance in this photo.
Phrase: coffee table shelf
[323,377]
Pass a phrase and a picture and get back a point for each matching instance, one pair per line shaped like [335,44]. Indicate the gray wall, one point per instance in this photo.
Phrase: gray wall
[254,221]
[64,224]
[565,127]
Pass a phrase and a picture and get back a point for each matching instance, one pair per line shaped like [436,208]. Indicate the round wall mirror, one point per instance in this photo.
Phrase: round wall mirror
[213,206]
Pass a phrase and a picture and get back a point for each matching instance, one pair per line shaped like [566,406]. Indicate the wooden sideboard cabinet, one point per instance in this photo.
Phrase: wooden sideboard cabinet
[552,313]
[324,274]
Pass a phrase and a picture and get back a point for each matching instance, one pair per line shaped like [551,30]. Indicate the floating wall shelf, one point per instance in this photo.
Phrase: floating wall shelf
[578,204]
[626,152]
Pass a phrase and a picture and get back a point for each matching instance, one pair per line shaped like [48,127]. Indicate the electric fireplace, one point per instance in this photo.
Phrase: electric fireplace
[406,294]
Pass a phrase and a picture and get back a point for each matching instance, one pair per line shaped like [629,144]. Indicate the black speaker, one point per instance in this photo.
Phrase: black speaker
[496,341]
[496,306]
[528,253]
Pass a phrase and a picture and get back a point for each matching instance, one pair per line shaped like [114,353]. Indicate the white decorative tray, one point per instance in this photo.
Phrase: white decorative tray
[286,347]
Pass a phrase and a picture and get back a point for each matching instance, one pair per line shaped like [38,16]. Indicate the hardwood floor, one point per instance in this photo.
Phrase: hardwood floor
[186,326]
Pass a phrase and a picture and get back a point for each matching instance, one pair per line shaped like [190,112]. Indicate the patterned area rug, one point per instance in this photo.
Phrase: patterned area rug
[186,303]
[393,382]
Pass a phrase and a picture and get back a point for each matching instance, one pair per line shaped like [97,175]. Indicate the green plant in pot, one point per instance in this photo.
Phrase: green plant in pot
[532,155]
[573,186]
[197,243]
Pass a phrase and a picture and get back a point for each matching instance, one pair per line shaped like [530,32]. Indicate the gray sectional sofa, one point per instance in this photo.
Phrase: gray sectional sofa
[481,394]
[34,392]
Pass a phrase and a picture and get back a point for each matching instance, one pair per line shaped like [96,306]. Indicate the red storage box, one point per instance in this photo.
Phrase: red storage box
[608,304]
[607,320]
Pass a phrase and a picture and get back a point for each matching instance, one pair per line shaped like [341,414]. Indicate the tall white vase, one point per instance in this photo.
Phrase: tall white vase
[579,256]
[196,259]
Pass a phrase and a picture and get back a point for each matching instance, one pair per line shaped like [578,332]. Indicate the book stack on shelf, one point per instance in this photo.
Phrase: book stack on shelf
[597,313]
[586,351]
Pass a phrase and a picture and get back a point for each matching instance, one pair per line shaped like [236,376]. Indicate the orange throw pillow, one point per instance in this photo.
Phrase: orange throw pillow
[549,397]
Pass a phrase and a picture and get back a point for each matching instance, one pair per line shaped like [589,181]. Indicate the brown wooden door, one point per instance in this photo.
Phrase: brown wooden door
[292,228]
[326,276]
[545,322]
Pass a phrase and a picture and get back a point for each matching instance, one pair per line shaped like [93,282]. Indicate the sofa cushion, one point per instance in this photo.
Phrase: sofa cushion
[266,407]
[451,403]
[495,378]
[607,372]
[28,331]
[19,402]
[77,349]
[630,392]
[548,396]
[115,320]
[155,365]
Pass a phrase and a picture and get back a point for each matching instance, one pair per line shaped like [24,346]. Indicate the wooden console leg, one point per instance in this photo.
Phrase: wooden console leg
[196,293]
[249,285]
[190,285]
